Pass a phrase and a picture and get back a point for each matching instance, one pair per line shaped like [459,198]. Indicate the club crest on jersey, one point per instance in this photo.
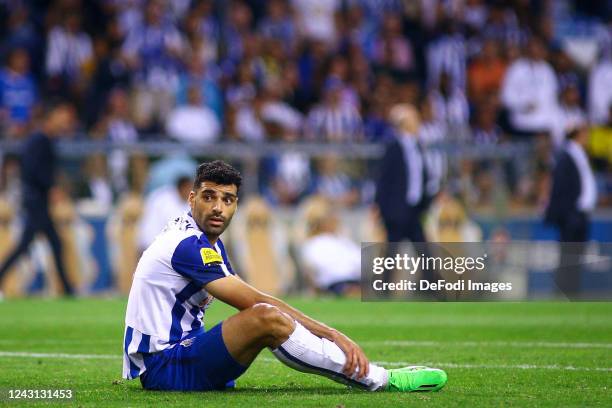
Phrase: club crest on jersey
[187,342]
[210,256]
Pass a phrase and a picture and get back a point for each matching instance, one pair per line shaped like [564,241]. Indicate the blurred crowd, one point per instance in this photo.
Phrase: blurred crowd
[480,72]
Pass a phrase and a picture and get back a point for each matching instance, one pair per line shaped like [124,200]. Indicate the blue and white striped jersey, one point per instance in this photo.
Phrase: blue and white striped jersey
[167,299]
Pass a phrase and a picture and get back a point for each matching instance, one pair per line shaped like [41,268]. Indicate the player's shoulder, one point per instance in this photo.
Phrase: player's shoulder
[178,229]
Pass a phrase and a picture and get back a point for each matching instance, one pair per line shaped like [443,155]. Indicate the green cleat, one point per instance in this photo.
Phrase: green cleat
[416,378]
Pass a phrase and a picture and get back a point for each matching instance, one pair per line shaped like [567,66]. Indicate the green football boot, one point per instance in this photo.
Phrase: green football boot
[415,378]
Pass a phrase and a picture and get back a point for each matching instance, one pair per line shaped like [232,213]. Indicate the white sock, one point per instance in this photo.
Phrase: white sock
[308,353]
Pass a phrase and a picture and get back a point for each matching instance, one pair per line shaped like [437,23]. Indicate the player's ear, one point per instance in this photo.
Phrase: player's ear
[191,197]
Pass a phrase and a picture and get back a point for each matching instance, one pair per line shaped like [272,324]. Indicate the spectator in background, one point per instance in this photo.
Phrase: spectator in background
[38,164]
[449,104]
[285,178]
[332,262]
[357,29]
[234,33]
[273,57]
[153,50]
[242,89]
[197,76]
[96,185]
[333,120]
[447,54]
[392,50]
[339,71]
[203,32]
[600,91]
[333,183]
[529,90]
[600,145]
[566,71]
[276,112]
[109,73]
[431,133]
[249,124]
[21,32]
[129,14]
[162,205]
[69,56]
[569,114]
[194,122]
[360,76]
[502,26]
[572,199]
[207,24]
[376,126]
[316,19]
[486,131]
[278,25]
[474,15]
[18,94]
[116,125]
[486,73]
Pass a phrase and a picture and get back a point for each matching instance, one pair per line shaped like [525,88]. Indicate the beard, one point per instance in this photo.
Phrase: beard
[215,225]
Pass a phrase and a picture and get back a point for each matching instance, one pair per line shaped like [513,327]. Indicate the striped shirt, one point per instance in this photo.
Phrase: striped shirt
[167,299]
[334,124]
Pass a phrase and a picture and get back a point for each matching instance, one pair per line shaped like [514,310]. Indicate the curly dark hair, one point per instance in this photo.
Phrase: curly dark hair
[218,172]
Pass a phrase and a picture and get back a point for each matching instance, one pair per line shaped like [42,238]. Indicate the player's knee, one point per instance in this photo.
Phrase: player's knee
[272,320]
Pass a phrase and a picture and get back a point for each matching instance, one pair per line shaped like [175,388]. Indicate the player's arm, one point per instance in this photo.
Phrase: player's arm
[241,295]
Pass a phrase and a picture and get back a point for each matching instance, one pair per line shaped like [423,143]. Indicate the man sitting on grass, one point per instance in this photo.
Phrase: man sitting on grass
[175,281]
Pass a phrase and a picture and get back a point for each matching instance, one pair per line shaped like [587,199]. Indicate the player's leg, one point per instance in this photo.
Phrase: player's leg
[248,332]
[56,248]
[209,360]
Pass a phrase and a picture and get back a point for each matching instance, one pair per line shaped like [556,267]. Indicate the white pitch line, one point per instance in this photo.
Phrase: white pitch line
[383,363]
[59,355]
[544,344]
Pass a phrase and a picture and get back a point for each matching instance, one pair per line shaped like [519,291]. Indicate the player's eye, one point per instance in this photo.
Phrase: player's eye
[229,200]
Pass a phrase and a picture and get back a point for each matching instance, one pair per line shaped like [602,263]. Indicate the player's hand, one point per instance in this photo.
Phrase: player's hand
[355,357]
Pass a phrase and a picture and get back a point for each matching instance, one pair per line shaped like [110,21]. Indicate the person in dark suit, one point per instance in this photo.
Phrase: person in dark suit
[573,197]
[402,196]
[38,162]
[401,193]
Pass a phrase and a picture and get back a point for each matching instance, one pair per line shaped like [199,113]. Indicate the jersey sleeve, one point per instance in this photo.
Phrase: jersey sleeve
[197,261]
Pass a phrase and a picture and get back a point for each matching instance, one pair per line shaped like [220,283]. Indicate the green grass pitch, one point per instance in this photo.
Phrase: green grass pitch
[496,354]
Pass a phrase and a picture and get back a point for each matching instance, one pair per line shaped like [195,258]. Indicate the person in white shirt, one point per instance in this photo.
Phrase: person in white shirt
[162,205]
[194,122]
[529,90]
[449,103]
[600,91]
[333,262]
[69,48]
[316,19]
